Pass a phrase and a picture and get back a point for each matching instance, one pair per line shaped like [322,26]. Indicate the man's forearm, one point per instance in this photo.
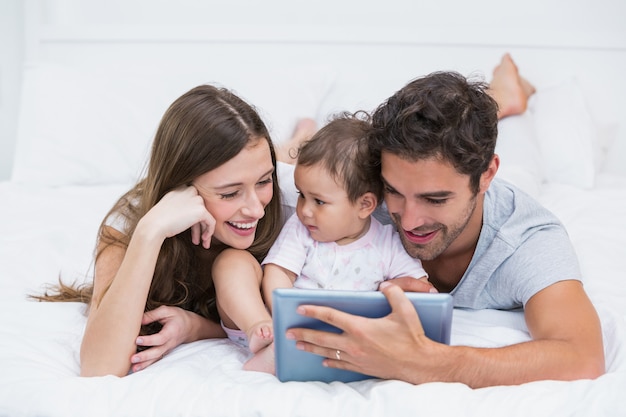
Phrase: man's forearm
[512,365]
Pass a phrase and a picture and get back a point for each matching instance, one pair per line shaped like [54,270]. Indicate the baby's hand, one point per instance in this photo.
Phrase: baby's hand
[410,284]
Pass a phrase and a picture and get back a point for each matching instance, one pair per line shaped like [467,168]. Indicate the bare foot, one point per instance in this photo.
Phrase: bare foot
[262,361]
[288,152]
[509,89]
[260,335]
[528,88]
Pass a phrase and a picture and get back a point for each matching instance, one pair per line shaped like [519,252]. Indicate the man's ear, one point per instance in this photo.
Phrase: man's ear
[489,174]
[367,204]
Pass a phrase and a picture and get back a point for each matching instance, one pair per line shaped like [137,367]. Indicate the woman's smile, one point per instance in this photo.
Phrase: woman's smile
[243,228]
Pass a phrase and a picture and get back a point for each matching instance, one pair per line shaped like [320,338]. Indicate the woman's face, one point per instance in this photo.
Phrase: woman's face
[237,192]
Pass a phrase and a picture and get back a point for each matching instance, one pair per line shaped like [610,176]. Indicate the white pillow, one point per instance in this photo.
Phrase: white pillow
[520,156]
[566,134]
[616,152]
[86,126]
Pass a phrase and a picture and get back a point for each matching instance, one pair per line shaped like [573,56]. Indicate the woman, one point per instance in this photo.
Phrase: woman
[211,184]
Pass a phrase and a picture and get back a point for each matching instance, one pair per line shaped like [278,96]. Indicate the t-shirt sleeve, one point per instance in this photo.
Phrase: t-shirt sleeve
[117,221]
[290,249]
[545,258]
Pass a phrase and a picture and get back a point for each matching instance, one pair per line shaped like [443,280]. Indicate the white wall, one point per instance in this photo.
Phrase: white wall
[12,55]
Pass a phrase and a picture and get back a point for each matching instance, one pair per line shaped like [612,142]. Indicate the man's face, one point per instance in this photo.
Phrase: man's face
[430,203]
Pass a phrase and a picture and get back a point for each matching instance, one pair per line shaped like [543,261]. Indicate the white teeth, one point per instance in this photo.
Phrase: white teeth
[244,225]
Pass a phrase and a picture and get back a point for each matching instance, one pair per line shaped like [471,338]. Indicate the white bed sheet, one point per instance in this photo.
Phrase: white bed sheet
[47,232]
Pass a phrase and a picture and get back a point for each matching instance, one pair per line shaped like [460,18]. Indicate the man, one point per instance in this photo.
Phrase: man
[479,238]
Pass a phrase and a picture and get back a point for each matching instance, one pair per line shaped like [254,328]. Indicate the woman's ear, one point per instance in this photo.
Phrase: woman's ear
[367,204]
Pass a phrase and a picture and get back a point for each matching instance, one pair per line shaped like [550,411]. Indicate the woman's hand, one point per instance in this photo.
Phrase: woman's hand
[176,329]
[179,326]
[179,210]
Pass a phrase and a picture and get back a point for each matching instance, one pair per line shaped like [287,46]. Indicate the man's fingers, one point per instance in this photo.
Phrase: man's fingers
[403,307]
[396,297]
[316,341]
[328,315]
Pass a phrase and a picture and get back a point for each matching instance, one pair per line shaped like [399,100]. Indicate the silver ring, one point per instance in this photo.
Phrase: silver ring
[338,355]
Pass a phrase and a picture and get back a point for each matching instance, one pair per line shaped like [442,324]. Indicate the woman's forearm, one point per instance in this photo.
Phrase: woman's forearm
[115,314]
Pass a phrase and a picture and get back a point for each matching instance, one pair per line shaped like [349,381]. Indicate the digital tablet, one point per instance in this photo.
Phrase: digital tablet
[434,310]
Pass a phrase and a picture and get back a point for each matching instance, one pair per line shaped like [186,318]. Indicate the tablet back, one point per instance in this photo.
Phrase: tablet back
[435,312]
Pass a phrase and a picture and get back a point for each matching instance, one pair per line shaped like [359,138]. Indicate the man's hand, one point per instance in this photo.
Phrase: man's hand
[388,347]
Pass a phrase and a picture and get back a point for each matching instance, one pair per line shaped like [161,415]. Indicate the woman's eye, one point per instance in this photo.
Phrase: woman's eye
[229,195]
[267,181]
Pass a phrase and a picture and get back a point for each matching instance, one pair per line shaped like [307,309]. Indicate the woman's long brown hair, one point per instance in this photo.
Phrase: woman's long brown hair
[201,130]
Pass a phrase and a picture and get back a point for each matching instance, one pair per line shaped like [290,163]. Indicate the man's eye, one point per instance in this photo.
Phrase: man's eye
[389,190]
[437,201]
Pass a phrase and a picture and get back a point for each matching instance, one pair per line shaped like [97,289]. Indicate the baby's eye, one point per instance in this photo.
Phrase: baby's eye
[319,202]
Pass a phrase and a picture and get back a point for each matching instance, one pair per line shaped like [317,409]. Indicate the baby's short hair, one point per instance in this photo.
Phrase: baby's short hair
[341,147]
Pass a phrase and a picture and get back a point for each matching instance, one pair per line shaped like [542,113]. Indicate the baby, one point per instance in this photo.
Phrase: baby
[332,241]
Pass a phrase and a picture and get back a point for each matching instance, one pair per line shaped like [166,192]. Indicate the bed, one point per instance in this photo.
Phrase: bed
[93,91]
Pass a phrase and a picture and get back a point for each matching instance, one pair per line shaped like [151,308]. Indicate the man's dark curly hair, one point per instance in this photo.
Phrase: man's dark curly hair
[442,115]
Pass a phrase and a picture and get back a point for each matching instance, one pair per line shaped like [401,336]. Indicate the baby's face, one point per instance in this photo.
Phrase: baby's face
[324,208]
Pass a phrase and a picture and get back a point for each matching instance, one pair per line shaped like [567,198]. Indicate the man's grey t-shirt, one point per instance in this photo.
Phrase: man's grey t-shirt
[522,249]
